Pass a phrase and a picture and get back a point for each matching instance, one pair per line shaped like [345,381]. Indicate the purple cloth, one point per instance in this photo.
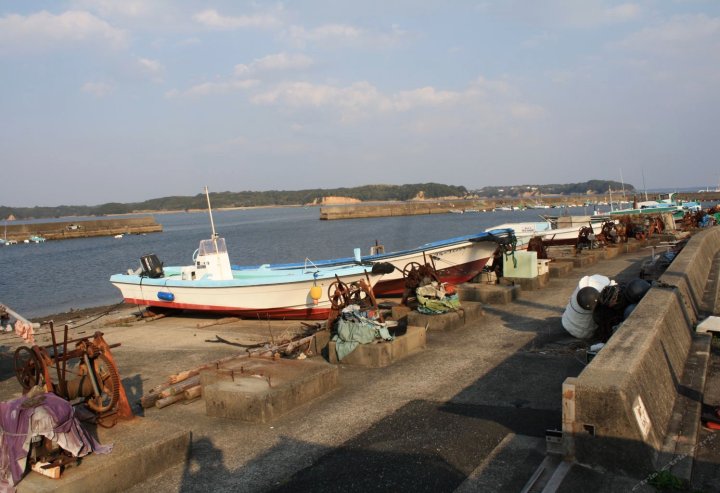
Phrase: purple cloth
[55,419]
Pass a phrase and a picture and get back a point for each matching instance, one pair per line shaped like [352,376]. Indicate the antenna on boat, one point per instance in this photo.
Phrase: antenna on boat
[212,223]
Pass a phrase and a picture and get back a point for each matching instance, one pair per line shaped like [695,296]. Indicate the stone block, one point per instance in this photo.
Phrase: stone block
[633,245]
[584,260]
[530,284]
[142,448]
[399,311]
[494,294]
[561,267]
[259,390]
[610,251]
[470,311]
[382,353]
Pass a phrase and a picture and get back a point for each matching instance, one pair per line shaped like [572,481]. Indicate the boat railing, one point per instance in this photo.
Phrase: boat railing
[305,267]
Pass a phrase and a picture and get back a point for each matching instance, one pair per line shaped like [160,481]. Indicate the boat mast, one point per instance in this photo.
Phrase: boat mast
[212,223]
[623,185]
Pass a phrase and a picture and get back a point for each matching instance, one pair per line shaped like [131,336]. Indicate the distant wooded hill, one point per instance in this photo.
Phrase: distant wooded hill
[365,193]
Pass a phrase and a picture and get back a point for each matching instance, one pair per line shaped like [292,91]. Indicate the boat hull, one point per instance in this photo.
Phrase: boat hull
[456,274]
[270,291]
[281,300]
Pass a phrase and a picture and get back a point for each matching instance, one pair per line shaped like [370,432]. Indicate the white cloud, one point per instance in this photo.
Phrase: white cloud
[209,88]
[278,61]
[97,89]
[326,33]
[212,19]
[623,13]
[525,111]
[425,96]
[44,31]
[362,99]
[112,8]
[152,68]
[685,34]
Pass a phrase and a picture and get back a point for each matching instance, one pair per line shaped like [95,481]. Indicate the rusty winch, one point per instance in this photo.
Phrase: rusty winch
[84,374]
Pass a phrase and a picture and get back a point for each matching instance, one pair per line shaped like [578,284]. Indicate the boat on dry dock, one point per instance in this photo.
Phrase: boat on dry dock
[211,284]
[293,291]
[548,230]
[456,260]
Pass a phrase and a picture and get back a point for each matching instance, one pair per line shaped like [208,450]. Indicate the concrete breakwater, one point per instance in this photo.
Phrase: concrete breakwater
[83,229]
[386,209]
[418,207]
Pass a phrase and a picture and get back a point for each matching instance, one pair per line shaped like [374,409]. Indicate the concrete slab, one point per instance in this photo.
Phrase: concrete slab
[530,284]
[260,389]
[382,353]
[633,245]
[561,267]
[142,448]
[584,260]
[470,312]
[494,294]
[610,251]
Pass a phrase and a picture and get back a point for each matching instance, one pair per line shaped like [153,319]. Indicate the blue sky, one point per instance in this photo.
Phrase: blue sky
[122,101]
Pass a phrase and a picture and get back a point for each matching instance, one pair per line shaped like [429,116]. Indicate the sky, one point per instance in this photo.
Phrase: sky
[123,101]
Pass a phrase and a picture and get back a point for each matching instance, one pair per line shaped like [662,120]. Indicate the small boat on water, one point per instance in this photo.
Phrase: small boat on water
[665,203]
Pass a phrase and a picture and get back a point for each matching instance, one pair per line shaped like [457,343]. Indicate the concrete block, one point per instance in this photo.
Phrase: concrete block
[400,311]
[142,448]
[584,260]
[561,251]
[470,311]
[530,284]
[561,267]
[382,353]
[610,251]
[633,245]
[494,294]
[259,390]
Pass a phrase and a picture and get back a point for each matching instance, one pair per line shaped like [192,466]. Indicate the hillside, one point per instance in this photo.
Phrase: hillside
[364,193]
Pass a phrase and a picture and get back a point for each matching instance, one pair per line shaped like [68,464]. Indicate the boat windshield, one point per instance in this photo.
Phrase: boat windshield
[212,247]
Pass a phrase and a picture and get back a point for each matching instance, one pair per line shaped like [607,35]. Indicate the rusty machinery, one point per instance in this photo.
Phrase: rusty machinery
[415,275]
[342,295]
[94,377]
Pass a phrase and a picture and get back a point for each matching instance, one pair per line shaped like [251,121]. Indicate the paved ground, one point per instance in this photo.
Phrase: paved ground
[423,424]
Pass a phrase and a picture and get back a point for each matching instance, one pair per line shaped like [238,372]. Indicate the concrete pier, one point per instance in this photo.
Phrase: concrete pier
[474,406]
[63,230]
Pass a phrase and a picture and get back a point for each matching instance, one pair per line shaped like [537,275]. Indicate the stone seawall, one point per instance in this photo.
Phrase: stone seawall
[386,209]
[618,413]
[83,229]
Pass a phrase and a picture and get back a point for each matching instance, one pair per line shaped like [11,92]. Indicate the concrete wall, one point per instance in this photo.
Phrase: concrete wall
[617,411]
[81,229]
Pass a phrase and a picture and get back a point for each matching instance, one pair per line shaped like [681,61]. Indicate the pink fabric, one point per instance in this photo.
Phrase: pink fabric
[43,415]
[25,331]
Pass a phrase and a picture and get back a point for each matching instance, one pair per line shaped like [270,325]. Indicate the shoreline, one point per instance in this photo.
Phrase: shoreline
[63,318]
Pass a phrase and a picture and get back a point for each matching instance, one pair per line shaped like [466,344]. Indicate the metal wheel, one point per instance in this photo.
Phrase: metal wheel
[338,293]
[28,369]
[411,267]
[109,383]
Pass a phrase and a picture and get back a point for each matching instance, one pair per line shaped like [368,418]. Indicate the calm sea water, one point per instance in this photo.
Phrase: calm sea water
[37,280]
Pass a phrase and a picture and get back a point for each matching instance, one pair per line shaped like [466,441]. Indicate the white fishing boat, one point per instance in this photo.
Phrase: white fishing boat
[297,290]
[211,284]
[548,230]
